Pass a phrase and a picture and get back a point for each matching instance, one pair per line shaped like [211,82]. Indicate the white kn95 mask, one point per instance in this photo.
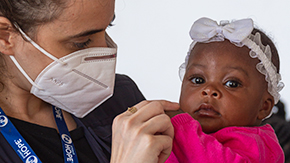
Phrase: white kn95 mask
[78,82]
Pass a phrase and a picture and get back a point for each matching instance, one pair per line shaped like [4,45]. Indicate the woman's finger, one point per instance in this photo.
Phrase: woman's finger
[173,113]
[148,109]
[159,124]
[165,144]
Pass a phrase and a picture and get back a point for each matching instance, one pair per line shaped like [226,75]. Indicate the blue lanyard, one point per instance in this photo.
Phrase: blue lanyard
[69,152]
[22,148]
[16,141]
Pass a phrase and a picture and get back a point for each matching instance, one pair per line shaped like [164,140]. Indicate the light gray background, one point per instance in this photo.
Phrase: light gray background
[153,39]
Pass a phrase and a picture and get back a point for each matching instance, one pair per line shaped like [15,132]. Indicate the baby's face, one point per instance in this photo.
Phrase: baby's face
[222,87]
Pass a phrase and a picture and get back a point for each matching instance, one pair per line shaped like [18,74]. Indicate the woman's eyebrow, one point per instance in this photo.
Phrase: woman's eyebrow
[86,33]
[89,32]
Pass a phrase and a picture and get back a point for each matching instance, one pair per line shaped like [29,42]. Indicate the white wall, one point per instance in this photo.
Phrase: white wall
[153,38]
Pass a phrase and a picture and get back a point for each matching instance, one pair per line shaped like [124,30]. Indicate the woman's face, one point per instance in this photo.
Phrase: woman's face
[222,87]
[81,25]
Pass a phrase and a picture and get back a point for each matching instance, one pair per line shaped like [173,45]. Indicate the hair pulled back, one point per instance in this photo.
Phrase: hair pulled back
[28,14]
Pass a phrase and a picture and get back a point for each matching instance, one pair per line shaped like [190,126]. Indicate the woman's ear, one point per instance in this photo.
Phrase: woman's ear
[6,34]
[266,108]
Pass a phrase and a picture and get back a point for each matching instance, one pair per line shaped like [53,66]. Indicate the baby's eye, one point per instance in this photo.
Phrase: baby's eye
[232,84]
[82,45]
[197,80]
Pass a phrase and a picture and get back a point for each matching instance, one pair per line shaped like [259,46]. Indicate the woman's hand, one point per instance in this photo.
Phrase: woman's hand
[145,136]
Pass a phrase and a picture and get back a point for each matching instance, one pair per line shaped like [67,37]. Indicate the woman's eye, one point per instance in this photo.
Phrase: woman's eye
[83,45]
[111,23]
[232,84]
[197,80]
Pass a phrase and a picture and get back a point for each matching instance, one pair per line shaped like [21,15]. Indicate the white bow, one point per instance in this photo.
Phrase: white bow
[207,30]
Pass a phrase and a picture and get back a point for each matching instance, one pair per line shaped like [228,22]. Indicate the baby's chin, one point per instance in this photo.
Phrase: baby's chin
[210,129]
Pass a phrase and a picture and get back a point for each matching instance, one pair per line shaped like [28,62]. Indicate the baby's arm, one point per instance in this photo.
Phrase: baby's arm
[233,144]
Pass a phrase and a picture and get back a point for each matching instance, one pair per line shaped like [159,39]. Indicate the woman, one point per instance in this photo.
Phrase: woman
[56,55]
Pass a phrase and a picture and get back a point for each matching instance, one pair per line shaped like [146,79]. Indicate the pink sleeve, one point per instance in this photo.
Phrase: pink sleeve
[240,145]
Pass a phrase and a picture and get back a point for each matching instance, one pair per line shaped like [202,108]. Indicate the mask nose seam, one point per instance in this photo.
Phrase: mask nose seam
[90,78]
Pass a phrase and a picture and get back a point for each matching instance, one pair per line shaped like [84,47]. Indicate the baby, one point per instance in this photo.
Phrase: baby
[230,82]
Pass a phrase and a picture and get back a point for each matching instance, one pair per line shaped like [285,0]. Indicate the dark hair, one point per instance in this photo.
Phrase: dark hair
[28,14]
[267,41]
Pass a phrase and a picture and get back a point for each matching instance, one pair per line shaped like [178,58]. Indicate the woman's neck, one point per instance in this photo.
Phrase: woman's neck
[27,107]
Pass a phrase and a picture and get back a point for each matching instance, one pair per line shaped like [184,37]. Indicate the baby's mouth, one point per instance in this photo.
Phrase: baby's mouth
[206,110]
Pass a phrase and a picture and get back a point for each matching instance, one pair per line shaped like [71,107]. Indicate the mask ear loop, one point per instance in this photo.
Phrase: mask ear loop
[38,47]
[23,72]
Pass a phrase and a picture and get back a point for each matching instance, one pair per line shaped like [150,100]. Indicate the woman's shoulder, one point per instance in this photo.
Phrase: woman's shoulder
[126,94]
[124,80]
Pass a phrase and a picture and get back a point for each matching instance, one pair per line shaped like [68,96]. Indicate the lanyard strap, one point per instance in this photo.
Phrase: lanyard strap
[16,141]
[22,148]
[69,152]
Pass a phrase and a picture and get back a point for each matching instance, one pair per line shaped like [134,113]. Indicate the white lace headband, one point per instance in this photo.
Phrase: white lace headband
[239,33]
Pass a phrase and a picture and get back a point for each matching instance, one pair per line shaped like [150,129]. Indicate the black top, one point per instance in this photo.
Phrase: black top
[93,134]
[48,145]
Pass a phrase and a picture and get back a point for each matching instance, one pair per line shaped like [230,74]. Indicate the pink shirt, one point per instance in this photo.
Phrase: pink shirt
[228,145]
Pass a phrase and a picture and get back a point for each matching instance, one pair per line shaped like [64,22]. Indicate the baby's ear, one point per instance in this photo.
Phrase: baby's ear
[6,34]
[266,108]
